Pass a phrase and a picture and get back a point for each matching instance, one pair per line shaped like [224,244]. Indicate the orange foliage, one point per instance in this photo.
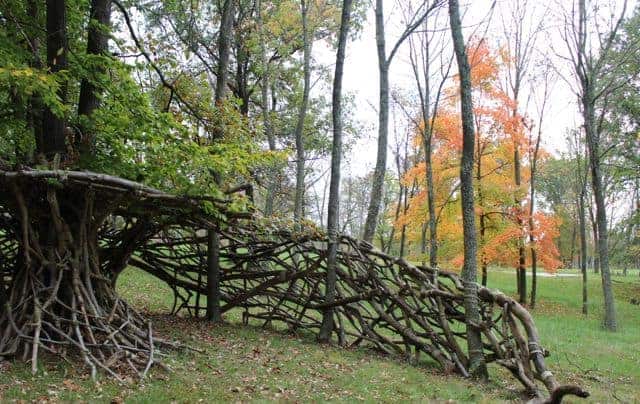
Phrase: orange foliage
[500,129]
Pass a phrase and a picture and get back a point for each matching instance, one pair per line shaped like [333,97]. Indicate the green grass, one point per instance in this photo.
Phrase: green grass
[249,363]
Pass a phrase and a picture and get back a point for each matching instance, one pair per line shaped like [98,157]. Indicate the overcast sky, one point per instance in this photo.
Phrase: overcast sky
[361,71]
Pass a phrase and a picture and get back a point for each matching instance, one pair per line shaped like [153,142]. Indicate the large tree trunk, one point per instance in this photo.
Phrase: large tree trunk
[298,206]
[477,365]
[97,44]
[383,129]
[53,126]
[601,214]
[35,113]
[334,190]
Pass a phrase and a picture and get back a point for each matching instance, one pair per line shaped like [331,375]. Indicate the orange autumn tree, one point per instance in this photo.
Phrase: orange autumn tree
[499,218]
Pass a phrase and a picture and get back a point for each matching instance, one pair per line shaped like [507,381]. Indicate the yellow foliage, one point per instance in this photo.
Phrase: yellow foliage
[500,130]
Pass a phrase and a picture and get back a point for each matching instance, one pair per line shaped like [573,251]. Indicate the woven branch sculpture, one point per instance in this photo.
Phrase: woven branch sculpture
[396,307]
[104,224]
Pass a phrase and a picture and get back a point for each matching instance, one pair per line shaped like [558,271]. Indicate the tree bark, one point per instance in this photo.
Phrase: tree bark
[266,119]
[224,48]
[97,44]
[522,270]
[384,62]
[224,52]
[610,322]
[532,191]
[595,265]
[213,277]
[477,365]
[35,113]
[588,100]
[431,206]
[298,209]
[53,126]
[334,189]
[383,128]
[583,249]
[483,217]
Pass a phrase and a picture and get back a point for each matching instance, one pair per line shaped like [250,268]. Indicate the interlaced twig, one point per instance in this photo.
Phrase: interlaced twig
[65,236]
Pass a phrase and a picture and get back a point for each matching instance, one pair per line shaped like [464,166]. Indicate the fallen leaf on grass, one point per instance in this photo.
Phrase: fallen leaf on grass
[70,385]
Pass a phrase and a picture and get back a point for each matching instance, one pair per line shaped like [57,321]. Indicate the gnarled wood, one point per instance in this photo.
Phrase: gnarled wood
[60,257]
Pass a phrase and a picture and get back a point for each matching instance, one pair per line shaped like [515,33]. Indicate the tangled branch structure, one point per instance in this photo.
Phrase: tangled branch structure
[99,225]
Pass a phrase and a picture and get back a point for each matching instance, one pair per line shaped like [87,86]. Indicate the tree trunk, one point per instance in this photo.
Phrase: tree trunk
[405,208]
[534,255]
[334,190]
[532,197]
[213,277]
[595,264]
[266,119]
[242,72]
[483,218]
[405,204]
[224,52]
[427,136]
[610,322]
[53,139]
[587,74]
[35,114]
[298,210]
[97,44]
[522,270]
[572,253]
[383,129]
[583,249]
[477,365]
[483,260]
[431,206]
[224,48]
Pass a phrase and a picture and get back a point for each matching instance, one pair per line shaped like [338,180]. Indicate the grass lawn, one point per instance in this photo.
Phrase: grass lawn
[249,363]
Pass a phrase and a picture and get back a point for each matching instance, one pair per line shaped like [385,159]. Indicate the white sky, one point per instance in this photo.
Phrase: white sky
[361,74]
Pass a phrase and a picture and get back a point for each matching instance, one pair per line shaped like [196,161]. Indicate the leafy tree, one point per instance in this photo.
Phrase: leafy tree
[500,221]
[83,106]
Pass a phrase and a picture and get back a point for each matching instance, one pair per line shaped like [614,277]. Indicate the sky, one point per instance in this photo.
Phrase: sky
[361,71]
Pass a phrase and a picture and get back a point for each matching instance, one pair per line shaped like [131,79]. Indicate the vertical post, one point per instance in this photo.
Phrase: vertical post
[213,276]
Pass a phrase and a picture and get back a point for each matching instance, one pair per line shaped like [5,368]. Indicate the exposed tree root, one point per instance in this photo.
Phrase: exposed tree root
[58,273]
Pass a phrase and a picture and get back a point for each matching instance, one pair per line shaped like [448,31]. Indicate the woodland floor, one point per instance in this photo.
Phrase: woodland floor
[249,363]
